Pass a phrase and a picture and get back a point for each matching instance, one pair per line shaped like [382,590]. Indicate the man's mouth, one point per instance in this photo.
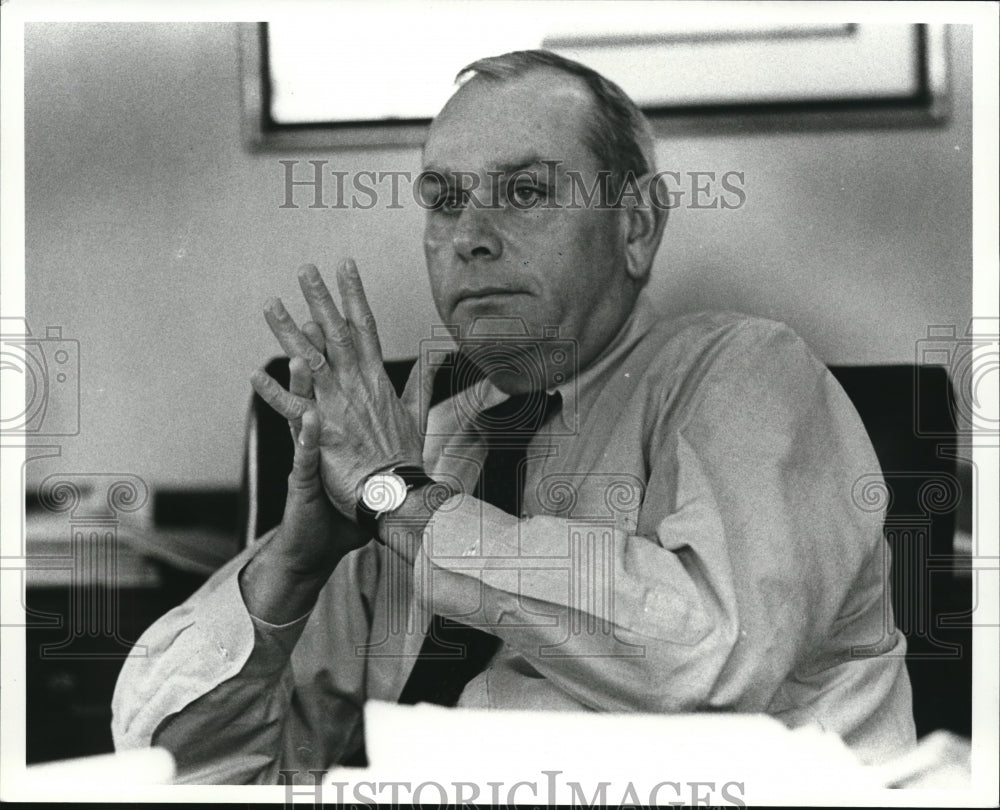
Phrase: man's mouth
[486,293]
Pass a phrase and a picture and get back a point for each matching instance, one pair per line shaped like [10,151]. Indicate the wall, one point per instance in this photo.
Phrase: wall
[153,238]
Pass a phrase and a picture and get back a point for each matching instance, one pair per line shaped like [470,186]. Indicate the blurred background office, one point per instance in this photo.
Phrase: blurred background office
[156,226]
[154,236]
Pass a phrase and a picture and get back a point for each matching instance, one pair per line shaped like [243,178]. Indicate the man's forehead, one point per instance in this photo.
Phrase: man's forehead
[491,124]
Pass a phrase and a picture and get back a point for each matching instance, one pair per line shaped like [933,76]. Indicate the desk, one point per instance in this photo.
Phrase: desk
[85,607]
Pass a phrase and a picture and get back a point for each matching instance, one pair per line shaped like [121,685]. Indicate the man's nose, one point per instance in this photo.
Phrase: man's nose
[475,237]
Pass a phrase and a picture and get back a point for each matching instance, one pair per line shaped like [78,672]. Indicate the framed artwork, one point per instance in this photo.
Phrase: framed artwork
[366,80]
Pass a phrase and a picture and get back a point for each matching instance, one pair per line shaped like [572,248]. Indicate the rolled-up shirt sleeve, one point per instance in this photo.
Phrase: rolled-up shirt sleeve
[235,698]
[595,615]
[750,567]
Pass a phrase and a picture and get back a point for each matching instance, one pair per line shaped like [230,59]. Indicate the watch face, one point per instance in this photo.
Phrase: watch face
[384,492]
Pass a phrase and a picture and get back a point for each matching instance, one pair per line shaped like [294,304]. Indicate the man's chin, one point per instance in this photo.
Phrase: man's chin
[497,321]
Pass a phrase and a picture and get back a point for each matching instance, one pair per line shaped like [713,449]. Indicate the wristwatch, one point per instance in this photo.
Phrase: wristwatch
[385,491]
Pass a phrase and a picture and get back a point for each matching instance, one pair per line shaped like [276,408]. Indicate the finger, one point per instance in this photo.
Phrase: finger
[295,343]
[339,345]
[314,334]
[300,381]
[288,405]
[416,396]
[359,315]
[300,384]
[305,463]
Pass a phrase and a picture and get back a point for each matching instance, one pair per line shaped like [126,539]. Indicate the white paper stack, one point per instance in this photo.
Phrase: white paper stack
[563,756]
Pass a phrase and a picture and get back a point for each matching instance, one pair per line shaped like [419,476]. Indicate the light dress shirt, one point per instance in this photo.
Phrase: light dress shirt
[693,539]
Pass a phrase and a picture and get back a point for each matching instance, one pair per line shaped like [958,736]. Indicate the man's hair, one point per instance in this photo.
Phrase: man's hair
[617,133]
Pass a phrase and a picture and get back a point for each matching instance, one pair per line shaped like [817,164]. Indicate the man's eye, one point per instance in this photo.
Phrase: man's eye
[450,202]
[439,198]
[528,195]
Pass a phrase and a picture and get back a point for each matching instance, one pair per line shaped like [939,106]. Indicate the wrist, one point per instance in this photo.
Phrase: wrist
[286,553]
[402,529]
[278,587]
[415,511]
[385,492]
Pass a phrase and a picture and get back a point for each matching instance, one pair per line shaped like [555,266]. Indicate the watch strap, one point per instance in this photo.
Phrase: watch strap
[413,477]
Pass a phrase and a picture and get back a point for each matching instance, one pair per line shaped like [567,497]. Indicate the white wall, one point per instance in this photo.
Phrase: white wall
[154,239]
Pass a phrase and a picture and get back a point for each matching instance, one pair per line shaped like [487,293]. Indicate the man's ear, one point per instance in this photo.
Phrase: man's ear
[645,211]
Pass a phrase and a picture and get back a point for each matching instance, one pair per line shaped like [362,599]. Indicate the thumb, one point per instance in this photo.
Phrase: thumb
[305,463]
[416,396]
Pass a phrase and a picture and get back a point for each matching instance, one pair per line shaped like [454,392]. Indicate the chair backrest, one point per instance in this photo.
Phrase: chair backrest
[908,413]
[268,451]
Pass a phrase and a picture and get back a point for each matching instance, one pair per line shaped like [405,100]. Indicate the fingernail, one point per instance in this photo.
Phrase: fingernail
[309,272]
[350,267]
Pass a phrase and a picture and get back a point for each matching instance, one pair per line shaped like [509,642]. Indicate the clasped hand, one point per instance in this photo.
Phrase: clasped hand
[363,425]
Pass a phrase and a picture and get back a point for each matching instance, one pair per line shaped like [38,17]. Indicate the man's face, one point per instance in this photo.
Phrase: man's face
[510,256]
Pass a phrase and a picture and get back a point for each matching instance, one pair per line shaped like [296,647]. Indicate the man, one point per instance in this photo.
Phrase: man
[680,534]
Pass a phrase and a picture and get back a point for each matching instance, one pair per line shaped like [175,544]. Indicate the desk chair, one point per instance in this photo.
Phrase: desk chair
[908,413]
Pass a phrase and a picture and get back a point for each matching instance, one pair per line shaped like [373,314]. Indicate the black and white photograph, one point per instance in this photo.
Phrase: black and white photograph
[500,402]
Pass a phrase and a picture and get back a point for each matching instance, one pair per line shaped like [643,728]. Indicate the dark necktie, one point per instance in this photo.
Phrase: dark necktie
[454,653]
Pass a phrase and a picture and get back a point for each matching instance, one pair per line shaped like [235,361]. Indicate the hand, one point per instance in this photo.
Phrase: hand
[283,579]
[312,533]
[364,426]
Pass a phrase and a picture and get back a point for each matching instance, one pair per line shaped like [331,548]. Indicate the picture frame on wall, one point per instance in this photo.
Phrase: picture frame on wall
[764,76]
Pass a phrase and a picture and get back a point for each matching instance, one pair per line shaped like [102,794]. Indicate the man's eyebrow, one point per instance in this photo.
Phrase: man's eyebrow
[520,164]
